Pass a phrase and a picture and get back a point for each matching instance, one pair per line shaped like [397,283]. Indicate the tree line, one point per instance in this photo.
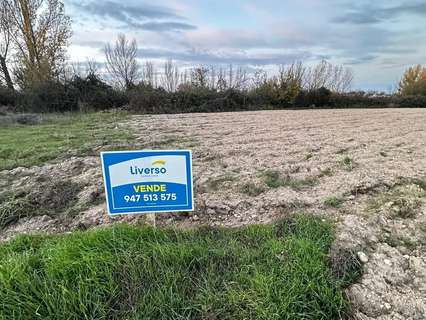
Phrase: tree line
[36,75]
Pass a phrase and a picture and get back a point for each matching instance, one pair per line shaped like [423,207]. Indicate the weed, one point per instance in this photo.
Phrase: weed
[133,272]
[404,208]
[383,154]
[345,265]
[420,182]
[273,179]
[402,201]
[400,241]
[334,202]
[251,189]
[342,150]
[325,173]
[348,163]
[308,156]
[215,183]
[47,198]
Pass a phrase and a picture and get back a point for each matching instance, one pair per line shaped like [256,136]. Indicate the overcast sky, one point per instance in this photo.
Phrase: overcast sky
[377,39]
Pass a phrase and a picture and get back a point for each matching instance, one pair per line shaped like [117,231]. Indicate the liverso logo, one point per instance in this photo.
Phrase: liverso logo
[157,168]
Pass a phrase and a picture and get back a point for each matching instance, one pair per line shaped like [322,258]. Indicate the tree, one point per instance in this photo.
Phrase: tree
[121,61]
[40,35]
[5,46]
[334,77]
[170,77]
[413,81]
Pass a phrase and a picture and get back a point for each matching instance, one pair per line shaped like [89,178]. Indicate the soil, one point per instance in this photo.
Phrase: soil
[366,171]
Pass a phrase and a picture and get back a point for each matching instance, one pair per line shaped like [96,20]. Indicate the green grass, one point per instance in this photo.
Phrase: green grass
[348,163]
[269,272]
[59,136]
[274,179]
[334,202]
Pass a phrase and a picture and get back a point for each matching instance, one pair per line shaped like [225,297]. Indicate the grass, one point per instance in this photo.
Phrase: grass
[325,173]
[48,198]
[274,179]
[402,201]
[269,272]
[70,134]
[334,202]
[348,163]
[251,189]
[215,183]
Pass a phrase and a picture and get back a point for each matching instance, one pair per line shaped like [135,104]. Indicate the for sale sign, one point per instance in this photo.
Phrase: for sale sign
[148,181]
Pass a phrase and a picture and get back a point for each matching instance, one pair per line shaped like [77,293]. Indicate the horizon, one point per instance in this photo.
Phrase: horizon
[380,40]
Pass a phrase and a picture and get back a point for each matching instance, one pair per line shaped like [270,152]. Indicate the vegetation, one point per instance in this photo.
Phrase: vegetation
[251,189]
[129,272]
[48,198]
[38,32]
[215,183]
[334,201]
[401,201]
[414,81]
[348,163]
[57,137]
[274,179]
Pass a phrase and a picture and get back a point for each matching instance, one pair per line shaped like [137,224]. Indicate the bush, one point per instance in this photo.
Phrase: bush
[146,99]
[96,94]
[313,98]
[49,96]
[7,97]
[89,93]
[362,100]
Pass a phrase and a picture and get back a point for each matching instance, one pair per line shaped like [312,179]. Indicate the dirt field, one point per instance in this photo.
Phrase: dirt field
[366,169]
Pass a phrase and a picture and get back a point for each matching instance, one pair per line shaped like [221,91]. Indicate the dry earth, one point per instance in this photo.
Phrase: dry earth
[358,167]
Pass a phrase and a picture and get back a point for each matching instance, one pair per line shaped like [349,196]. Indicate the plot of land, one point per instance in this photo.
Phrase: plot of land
[363,169]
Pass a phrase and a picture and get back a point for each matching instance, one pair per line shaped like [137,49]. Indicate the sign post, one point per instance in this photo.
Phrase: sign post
[148,181]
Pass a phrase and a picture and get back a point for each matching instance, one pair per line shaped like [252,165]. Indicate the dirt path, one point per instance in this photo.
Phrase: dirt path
[366,169]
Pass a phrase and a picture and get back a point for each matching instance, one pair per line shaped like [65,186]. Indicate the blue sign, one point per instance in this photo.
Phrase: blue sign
[148,181]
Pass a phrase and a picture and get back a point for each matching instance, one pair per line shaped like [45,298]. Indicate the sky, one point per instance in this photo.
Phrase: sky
[377,39]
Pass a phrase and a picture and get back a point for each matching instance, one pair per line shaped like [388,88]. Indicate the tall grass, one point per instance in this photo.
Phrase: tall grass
[133,272]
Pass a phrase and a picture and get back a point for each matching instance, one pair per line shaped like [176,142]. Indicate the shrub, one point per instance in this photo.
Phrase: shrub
[146,99]
[49,96]
[316,98]
[96,94]
[7,96]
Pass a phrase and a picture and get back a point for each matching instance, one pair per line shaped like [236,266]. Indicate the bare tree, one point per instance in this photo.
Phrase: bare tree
[121,61]
[6,30]
[240,80]
[170,77]
[260,77]
[221,83]
[337,78]
[40,35]
[149,75]
[199,77]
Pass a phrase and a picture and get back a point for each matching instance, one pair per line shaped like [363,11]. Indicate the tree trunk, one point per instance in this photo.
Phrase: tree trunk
[7,78]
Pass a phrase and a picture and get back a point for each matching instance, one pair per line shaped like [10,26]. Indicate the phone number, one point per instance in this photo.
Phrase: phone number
[150,197]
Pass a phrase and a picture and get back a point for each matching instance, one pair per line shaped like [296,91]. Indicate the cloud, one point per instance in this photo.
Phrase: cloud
[372,15]
[164,26]
[140,16]
[217,57]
